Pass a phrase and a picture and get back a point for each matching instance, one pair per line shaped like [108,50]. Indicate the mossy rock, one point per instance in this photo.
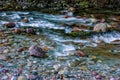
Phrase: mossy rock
[80,33]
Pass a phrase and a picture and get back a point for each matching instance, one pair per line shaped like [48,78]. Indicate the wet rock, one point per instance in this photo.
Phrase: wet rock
[46,48]
[98,77]
[116,42]
[93,20]
[1,51]
[71,9]
[3,57]
[5,78]
[102,20]
[10,25]
[30,31]
[101,27]
[76,29]
[22,78]
[22,49]
[37,51]
[63,77]
[80,53]
[67,16]
[94,73]
[113,79]
[78,16]
[4,70]
[17,30]
[61,72]
[25,20]
[56,65]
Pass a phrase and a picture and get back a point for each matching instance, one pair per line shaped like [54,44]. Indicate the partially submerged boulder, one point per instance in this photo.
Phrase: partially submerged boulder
[37,51]
[101,27]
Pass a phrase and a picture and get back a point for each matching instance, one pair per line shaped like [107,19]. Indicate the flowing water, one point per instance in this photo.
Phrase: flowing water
[52,32]
[51,27]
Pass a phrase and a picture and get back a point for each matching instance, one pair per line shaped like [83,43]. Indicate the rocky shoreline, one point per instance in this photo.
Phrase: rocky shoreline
[54,7]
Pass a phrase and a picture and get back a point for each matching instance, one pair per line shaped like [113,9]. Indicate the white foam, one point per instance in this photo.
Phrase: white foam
[15,16]
[3,14]
[24,13]
[67,48]
[64,50]
[108,37]
[61,18]
[3,22]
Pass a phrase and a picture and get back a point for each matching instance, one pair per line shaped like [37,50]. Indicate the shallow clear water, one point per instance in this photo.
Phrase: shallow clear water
[51,24]
[50,33]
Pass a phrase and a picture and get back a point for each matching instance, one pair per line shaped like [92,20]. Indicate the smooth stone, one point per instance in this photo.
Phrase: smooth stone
[30,31]
[25,20]
[17,30]
[80,53]
[3,57]
[5,78]
[6,51]
[10,25]
[98,77]
[22,78]
[37,51]
[113,79]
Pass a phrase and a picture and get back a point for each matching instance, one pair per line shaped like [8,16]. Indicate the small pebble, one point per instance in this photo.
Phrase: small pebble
[98,77]
[22,78]
[5,78]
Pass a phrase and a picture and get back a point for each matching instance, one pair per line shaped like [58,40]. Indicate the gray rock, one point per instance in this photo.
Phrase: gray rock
[37,51]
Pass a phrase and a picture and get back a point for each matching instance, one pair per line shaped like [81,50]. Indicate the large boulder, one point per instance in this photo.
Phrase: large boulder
[37,51]
[101,27]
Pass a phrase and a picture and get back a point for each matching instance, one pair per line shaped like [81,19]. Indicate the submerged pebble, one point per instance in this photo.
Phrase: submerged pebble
[37,51]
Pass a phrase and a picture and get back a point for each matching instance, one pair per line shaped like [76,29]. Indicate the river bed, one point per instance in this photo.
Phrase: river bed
[102,63]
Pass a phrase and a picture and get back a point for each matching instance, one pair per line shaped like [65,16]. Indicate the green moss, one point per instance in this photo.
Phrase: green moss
[81,33]
[103,50]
